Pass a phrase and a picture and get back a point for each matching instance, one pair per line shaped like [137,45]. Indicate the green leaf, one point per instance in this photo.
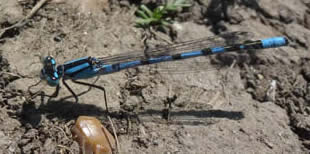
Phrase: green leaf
[142,14]
[158,14]
[159,17]
[165,23]
[144,21]
[174,5]
[147,10]
[179,2]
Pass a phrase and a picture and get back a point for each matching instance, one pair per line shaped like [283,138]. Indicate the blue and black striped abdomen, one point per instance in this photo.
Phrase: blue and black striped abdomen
[259,44]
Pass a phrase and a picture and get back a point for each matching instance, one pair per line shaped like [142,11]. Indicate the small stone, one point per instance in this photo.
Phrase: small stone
[4,140]
[307,20]
[13,148]
[47,142]
[156,142]
[11,11]
[260,76]
[286,15]
[31,133]
[124,3]
[306,73]
[24,141]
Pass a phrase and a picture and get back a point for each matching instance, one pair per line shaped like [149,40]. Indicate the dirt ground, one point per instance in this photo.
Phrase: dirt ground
[255,103]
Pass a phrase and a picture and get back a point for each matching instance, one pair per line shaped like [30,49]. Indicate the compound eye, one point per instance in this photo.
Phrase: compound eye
[49,61]
[48,58]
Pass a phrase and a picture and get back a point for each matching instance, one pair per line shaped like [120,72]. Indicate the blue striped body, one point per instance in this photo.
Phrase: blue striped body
[88,67]
[262,44]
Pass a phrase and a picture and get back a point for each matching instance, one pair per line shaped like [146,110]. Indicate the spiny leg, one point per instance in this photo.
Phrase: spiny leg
[72,92]
[33,95]
[98,87]
[55,94]
[77,95]
[29,89]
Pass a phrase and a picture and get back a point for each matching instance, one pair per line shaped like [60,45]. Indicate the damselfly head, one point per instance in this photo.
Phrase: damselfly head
[49,71]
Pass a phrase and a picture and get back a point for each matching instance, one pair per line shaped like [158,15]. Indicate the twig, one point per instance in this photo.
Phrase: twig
[26,19]
[115,135]
[160,36]
[65,147]
[64,133]
[15,75]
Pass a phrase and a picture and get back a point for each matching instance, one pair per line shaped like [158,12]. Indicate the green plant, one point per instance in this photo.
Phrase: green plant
[160,15]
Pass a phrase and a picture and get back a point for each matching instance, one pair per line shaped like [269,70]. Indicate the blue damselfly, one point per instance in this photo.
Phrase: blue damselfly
[88,67]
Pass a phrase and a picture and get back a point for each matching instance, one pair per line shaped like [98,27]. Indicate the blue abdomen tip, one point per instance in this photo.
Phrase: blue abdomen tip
[274,42]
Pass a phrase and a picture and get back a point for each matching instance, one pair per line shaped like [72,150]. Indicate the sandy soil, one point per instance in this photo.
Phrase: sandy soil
[226,110]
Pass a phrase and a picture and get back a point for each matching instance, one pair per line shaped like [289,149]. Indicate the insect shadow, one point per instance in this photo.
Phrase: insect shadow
[197,117]
[32,113]
[67,111]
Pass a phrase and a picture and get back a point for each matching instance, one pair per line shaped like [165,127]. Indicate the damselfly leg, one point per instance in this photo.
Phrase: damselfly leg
[91,85]
[40,92]
[71,91]
[34,93]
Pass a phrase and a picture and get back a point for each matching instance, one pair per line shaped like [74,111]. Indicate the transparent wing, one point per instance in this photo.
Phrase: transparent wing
[182,67]
[192,45]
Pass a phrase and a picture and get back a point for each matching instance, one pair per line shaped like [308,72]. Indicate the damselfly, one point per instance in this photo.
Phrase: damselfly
[88,67]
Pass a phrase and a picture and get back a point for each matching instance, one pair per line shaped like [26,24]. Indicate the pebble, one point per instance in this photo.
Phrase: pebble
[306,73]
[48,143]
[286,15]
[307,20]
